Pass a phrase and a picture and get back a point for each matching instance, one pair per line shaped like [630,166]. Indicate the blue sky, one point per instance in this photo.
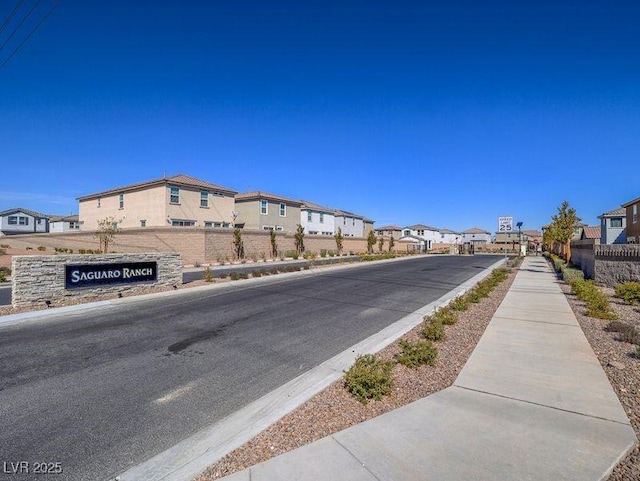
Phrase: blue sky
[447,113]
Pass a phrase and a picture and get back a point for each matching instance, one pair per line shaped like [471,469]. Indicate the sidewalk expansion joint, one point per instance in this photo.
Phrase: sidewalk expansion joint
[354,457]
[511,318]
[543,405]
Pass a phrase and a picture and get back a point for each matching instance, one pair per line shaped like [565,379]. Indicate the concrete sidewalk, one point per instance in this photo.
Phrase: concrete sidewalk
[532,403]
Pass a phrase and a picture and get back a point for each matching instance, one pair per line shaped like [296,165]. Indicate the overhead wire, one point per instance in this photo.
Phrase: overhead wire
[7,21]
[20,24]
[15,51]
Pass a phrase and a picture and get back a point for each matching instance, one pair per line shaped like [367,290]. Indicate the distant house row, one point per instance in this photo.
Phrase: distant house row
[184,201]
[425,237]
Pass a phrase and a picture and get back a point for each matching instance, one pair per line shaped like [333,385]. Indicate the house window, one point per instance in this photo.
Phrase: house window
[226,225]
[204,199]
[121,201]
[308,216]
[407,232]
[279,228]
[183,223]
[217,224]
[267,227]
[353,221]
[421,232]
[321,218]
[616,222]
[143,223]
[344,221]
[174,195]
[18,220]
[74,225]
[208,225]
[283,210]
[313,232]
[99,200]
[634,218]
[264,207]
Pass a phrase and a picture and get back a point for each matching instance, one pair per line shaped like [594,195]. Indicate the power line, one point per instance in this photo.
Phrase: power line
[11,15]
[30,33]
[20,24]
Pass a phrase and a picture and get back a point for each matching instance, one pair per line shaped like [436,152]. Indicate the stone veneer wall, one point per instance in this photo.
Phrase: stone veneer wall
[617,263]
[36,279]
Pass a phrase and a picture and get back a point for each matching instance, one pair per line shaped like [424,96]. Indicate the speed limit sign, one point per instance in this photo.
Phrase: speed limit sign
[505,224]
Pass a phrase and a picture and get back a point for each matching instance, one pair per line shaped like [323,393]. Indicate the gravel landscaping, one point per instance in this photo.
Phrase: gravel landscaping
[334,409]
[621,365]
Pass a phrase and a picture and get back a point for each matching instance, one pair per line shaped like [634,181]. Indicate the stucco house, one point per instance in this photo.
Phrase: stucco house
[633,221]
[22,221]
[351,224]
[317,219]
[368,226]
[265,211]
[448,236]
[613,226]
[64,223]
[430,235]
[389,231]
[177,201]
[475,236]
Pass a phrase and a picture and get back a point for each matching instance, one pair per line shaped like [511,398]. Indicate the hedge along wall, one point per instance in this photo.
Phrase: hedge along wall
[36,279]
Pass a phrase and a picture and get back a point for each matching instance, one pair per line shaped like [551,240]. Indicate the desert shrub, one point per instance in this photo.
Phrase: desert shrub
[433,330]
[638,352]
[558,264]
[274,271]
[28,248]
[293,254]
[598,306]
[582,288]
[256,273]
[4,273]
[629,292]
[5,246]
[310,256]
[42,248]
[417,353]
[234,276]
[207,274]
[243,275]
[369,378]
[448,317]
[460,303]
[323,252]
[2,252]
[569,274]
[626,332]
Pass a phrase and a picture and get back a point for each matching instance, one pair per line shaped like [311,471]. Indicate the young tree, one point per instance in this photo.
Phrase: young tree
[298,239]
[106,232]
[339,238]
[238,244]
[274,244]
[380,243]
[371,241]
[562,226]
[391,244]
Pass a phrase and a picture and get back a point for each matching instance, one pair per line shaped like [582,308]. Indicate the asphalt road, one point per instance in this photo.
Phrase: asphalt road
[103,390]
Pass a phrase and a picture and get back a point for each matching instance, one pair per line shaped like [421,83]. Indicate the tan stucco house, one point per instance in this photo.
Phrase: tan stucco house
[176,201]
[264,211]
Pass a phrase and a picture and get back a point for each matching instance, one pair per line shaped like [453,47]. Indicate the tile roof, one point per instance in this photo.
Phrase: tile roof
[62,218]
[306,205]
[178,179]
[32,213]
[627,204]
[475,230]
[258,194]
[592,232]
[389,227]
[448,231]
[422,227]
[343,213]
[620,211]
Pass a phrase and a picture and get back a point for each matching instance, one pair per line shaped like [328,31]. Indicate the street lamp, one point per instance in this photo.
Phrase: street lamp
[519,225]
